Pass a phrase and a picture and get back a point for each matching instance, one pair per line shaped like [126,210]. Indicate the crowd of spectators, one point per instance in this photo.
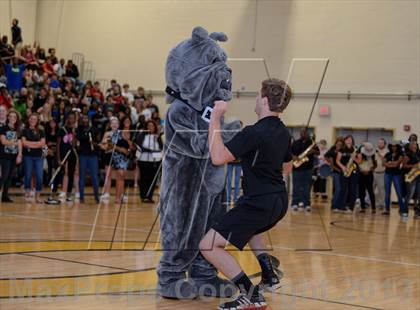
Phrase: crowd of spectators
[47,112]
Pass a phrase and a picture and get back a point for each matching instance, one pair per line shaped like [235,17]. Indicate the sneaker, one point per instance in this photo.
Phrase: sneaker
[6,199]
[417,216]
[295,208]
[385,213]
[125,198]
[336,210]
[308,209]
[348,211]
[105,196]
[242,301]
[362,211]
[77,196]
[301,205]
[270,283]
[404,214]
[52,201]
[62,195]
[69,198]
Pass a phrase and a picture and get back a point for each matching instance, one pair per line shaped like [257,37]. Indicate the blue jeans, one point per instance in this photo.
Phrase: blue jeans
[33,164]
[397,180]
[413,188]
[231,169]
[348,191]
[302,180]
[88,162]
[337,190]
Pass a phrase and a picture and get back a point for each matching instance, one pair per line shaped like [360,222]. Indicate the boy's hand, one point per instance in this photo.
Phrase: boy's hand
[220,108]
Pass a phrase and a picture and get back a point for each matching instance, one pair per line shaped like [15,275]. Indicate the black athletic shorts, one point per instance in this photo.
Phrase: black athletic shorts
[251,216]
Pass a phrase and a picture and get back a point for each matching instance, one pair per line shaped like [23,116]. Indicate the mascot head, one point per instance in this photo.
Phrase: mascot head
[196,70]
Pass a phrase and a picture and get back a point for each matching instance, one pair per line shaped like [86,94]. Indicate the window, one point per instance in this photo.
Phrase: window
[371,135]
[295,131]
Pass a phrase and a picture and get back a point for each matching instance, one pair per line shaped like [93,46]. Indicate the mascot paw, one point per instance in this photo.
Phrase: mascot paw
[181,289]
[215,287]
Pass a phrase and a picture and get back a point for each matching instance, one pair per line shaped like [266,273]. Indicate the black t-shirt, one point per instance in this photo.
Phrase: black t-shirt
[332,154]
[33,136]
[123,143]
[8,151]
[67,135]
[298,147]
[38,103]
[262,148]
[413,157]
[87,145]
[346,155]
[51,140]
[392,157]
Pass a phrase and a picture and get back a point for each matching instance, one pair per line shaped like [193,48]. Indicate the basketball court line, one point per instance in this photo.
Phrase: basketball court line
[68,222]
[366,258]
[73,261]
[152,292]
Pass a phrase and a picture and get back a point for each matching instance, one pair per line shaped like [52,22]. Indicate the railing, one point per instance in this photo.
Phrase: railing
[104,84]
[349,95]
[88,72]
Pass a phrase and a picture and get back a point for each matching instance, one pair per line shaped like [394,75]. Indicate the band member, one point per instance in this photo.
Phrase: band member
[379,174]
[88,138]
[393,161]
[320,184]
[331,158]
[302,175]
[265,152]
[66,141]
[367,164]
[33,141]
[347,161]
[411,161]
[118,149]
[150,147]
[10,152]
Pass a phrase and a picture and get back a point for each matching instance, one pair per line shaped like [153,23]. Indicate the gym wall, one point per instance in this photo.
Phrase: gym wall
[373,46]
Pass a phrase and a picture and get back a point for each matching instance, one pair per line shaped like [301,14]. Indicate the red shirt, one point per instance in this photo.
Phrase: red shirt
[48,68]
[6,101]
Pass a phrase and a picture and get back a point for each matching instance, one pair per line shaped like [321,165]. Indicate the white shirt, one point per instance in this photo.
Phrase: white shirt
[380,167]
[128,95]
[151,142]
[147,114]
[59,69]
[134,115]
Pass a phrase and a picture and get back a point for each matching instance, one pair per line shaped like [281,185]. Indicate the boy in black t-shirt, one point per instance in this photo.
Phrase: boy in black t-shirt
[264,149]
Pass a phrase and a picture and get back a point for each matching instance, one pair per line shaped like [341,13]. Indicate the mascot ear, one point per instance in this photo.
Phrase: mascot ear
[219,36]
[199,34]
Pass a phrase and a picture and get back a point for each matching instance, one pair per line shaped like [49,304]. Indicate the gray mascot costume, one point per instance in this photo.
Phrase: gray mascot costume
[192,191]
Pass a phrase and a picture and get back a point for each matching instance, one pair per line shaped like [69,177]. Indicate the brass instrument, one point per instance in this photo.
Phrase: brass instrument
[351,166]
[303,157]
[91,141]
[413,174]
[107,145]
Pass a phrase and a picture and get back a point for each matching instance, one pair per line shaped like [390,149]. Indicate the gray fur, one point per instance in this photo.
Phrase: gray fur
[192,191]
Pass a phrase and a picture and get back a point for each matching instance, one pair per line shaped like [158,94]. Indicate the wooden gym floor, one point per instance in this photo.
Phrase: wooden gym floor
[330,261]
